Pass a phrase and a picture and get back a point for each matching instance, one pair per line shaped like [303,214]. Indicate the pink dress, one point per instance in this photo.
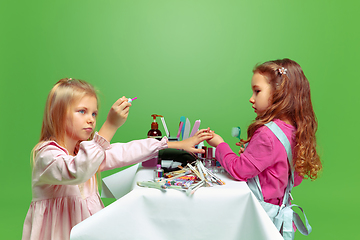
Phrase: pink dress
[264,156]
[64,187]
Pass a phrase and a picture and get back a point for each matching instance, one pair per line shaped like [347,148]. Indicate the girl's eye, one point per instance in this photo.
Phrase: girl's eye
[82,111]
[94,114]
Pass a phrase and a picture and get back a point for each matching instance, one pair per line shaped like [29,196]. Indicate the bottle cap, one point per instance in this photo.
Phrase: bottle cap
[154,124]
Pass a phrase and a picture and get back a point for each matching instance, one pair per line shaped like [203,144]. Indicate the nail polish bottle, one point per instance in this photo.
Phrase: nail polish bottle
[158,173]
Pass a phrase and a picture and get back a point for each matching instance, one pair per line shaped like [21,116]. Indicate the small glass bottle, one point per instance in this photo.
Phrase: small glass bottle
[158,173]
[210,160]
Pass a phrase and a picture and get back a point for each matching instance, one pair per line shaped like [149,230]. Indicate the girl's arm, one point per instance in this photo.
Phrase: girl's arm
[189,143]
[53,165]
[250,162]
[240,167]
[116,118]
[124,154]
[215,140]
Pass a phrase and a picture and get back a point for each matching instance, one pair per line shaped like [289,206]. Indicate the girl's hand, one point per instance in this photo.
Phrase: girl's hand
[242,149]
[189,143]
[118,112]
[116,118]
[215,140]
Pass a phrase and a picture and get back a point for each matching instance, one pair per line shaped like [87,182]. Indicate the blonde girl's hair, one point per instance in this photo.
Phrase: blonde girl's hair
[59,100]
[291,100]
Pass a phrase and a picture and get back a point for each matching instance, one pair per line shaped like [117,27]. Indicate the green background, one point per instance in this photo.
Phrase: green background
[188,58]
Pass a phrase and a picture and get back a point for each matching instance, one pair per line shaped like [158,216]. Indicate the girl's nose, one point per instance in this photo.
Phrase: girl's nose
[251,100]
[91,119]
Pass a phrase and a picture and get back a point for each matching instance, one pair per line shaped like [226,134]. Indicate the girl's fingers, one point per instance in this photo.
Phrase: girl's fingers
[120,101]
[121,104]
[204,138]
[195,150]
[203,135]
[202,131]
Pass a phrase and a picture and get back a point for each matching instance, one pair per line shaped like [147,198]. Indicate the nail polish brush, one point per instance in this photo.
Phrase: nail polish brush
[131,99]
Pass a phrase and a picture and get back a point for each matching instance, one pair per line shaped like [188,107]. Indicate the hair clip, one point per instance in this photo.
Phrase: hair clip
[282,70]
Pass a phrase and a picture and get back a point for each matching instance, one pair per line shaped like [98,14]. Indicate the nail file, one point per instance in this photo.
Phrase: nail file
[182,120]
[195,127]
[186,129]
[180,130]
[166,129]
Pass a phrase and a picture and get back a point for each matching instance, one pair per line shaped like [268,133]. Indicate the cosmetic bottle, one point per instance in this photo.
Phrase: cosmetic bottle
[154,132]
[158,173]
[209,160]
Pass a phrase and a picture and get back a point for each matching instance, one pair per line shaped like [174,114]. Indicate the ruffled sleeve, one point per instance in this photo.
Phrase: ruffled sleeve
[124,154]
[53,164]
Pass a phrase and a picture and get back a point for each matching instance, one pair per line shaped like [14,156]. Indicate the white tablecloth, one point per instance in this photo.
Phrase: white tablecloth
[221,212]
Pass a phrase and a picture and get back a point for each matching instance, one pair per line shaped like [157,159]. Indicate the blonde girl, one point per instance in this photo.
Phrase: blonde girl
[70,153]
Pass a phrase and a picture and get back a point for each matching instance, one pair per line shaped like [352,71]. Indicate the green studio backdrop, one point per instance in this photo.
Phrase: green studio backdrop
[190,58]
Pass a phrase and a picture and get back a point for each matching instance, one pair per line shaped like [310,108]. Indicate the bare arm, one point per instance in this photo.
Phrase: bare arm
[215,140]
[189,143]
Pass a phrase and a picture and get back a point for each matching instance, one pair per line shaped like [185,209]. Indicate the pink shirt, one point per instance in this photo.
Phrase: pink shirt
[264,156]
[64,187]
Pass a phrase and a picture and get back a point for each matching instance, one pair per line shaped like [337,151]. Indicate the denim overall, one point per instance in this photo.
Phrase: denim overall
[282,216]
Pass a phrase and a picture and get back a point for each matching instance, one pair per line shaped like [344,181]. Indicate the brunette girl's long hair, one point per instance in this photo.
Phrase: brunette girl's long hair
[291,101]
